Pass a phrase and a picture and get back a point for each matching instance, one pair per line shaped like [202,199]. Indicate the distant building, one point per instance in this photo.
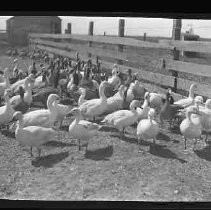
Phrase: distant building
[18,27]
[189,36]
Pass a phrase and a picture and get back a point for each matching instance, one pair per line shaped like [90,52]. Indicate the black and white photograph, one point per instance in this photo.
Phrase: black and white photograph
[105,108]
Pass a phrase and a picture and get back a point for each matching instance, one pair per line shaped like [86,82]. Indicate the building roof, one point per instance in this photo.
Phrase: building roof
[53,17]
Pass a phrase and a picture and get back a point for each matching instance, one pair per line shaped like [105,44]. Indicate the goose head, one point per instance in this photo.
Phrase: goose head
[82,91]
[192,110]
[122,89]
[198,100]
[193,88]
[53,98]
[74,112]
[17,116]
[7,92]
[151,113]
[147,96]
[6,72]
[115,71]
[31,77]
[169,97]
[15,61]
[21,92]
[134,104]
[208,103]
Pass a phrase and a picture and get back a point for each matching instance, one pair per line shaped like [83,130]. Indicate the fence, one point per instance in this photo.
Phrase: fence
[112,49]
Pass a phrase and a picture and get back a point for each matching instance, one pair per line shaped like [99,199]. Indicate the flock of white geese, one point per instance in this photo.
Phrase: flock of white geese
[37,127]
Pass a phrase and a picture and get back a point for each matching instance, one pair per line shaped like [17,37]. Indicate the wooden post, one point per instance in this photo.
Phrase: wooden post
[176,34]
[90,33]
[121,34]
[145,36]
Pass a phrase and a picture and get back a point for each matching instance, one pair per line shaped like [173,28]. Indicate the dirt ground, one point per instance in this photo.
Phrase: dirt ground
[112,169]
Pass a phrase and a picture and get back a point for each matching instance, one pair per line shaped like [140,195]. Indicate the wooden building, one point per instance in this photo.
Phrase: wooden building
[18,27]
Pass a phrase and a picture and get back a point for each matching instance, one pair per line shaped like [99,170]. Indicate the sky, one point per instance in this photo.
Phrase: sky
[133,26]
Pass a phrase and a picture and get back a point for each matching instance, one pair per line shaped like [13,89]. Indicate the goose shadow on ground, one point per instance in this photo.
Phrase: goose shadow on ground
[59,144]
[163,137]
[49,161]
[64,128]
[100,154]
[164,152]
[8,133]
[108,129]
[175,130]
[132,140]
[204,153]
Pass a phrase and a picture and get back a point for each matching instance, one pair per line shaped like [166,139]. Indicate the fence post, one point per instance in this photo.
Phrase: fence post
[121,34]
[145,36]
[69,29]
[90,33]
[176,34]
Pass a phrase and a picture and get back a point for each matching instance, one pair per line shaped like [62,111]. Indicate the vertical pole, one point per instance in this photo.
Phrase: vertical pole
[104,34]
[176,35]
[69,28]
[121,34]
[145,36]
[90,33]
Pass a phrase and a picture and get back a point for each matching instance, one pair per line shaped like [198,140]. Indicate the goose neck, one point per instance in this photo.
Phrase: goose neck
[102,92]
[51,106]
[188,115]
[7,80]
[191,92]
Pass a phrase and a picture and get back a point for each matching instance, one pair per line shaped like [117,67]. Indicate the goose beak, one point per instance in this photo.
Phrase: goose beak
[197,113]
[69,114]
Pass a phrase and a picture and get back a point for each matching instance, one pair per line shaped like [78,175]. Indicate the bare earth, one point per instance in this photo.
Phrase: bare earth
[112,168]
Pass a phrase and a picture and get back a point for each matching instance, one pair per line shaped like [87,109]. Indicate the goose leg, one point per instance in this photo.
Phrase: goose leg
[79,144]
[31,152]
[139,145]
[86,147]
[39,152]
[205,140]
[122,134]
[185,144]
[154,142]
[61,123]
[194,145]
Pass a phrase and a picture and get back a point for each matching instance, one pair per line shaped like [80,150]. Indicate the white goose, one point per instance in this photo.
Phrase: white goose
[27,95]
[6,84]
[189,128]
[6,111]
[81,99]
[95,107]
[39,83]
[33,136]
[130,95]
[143,111]
[206,118]
[147,128]
[82,129]
[62,111]
[123,118]
[190,100]
[42,117]
[115,102]
[15,87]
[115,81]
